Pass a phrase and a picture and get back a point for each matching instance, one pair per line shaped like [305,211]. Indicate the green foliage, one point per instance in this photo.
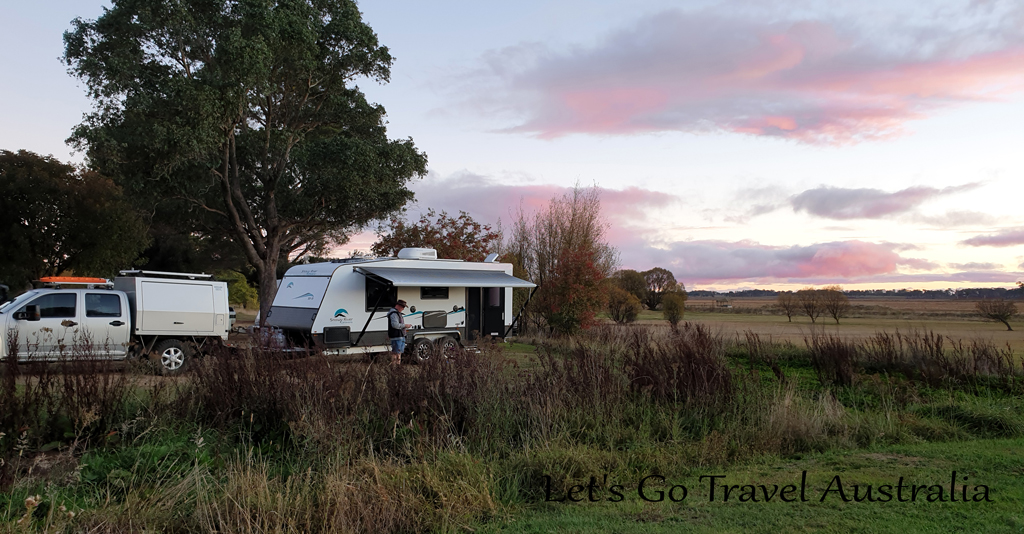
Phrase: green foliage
[256,441]
[673,306]
[55,218]
[659,282]
[240,293]
[241,120]
[457,238]
[632,282]
[623,307]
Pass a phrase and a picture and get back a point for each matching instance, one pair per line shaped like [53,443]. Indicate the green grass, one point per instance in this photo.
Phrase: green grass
[995,463]
[308,445]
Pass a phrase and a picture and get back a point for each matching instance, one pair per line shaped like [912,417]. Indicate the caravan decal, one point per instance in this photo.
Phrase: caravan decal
[307,296]
[341,316]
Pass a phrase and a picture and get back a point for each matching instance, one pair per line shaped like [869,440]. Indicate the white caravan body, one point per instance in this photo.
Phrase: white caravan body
[342,306]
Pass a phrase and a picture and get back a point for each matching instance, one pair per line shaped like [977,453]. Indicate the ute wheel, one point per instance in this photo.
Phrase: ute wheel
[448,347]
[422,350]
[171,356]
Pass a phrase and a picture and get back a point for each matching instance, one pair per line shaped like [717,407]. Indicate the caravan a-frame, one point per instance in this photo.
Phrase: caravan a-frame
[342,306]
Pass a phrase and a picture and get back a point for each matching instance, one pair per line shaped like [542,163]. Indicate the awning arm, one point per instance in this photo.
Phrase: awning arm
[523,308]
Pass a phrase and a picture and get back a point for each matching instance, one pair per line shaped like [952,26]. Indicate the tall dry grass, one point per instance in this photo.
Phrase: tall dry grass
[260,441]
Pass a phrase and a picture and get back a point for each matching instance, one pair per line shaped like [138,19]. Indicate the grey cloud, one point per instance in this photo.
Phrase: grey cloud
[952,219]
[975,266]
[841,203]
[1003,238]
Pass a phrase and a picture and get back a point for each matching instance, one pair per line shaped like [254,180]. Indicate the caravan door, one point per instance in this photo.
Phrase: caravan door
[494,311]
[473,313]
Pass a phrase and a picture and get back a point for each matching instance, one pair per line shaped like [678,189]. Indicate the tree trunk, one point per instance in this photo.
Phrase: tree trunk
[268,286]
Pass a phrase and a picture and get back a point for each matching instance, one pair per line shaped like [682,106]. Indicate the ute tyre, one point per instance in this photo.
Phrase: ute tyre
[422,350]
[448,347]
[171,357]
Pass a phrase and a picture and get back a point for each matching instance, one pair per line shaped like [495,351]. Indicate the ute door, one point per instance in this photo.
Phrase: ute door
[105,325]
[52,337]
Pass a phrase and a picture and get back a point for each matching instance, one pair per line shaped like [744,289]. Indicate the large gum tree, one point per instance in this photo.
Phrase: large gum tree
[242,118]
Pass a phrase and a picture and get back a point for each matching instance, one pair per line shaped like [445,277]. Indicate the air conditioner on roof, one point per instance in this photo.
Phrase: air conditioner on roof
[417,254]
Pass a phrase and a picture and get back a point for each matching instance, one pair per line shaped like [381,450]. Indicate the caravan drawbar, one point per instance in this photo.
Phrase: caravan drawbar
[341,306]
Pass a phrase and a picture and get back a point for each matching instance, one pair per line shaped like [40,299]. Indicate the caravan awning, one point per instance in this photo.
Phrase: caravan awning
[400,277]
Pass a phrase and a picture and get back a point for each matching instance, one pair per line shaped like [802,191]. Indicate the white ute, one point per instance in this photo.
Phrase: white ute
[166,316]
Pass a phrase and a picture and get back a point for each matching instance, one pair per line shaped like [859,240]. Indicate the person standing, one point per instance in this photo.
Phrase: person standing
[396,331]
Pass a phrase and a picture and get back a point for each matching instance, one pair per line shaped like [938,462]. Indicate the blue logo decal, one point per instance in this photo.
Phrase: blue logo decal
[307,296]
[341,312]
[289,286]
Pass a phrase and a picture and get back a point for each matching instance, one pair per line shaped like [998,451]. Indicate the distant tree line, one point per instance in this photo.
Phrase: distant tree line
[964,294]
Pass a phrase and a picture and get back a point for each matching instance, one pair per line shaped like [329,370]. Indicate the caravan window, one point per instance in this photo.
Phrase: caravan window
[427,293]
[387,293]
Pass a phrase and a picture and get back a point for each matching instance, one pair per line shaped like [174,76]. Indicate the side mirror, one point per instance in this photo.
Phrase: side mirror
[32,312]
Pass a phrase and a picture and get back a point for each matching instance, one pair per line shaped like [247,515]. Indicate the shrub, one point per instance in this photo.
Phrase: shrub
[673,306]
[833,359]
[623,307]
[240,293]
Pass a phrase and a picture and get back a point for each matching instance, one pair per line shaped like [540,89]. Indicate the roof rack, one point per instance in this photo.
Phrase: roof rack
[56,282]
[163,274]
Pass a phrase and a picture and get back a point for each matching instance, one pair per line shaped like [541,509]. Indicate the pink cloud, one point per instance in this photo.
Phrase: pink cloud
[1005,238]
[488,201]
[631,230]
[814,81]
[704,262]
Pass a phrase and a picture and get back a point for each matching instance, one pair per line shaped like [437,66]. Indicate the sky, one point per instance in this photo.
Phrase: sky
[740,144]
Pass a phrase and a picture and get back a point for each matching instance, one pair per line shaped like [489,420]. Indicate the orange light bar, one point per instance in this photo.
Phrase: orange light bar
[73,280]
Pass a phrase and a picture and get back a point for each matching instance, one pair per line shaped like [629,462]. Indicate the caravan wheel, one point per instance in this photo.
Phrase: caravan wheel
[448,347]
[422,349]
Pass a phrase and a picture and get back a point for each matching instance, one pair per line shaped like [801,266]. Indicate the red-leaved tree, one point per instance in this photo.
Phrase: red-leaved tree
[562,249]
[457,238]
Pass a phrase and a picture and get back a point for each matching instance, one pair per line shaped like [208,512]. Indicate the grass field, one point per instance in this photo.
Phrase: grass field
[955,319]
[997,464]
[264,442]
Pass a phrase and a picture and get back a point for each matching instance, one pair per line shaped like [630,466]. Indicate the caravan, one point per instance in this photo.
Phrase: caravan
[342,306]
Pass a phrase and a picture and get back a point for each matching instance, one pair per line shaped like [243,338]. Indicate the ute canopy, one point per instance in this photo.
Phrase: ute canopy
[401,277]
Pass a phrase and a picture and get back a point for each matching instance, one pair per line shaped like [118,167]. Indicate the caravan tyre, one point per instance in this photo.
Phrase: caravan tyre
[448,347]
[171,356]
[422,350]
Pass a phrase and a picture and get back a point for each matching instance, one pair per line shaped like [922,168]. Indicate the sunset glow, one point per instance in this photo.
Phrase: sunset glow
[736,143]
